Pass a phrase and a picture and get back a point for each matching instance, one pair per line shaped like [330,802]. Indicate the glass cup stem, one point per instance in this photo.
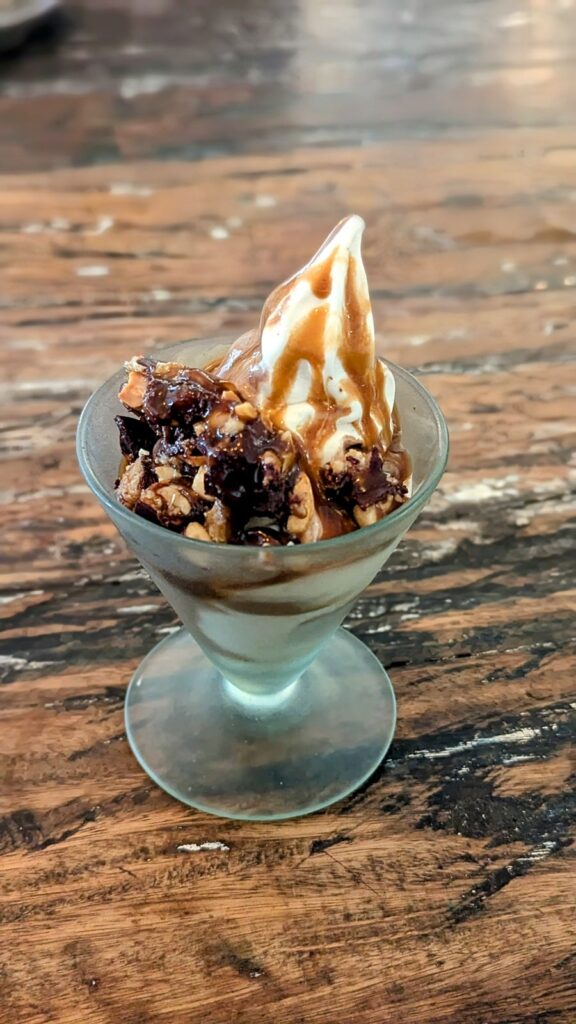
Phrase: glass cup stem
[264,701]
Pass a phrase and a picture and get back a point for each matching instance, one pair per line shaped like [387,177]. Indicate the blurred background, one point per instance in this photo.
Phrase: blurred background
[104,81]
[174,159]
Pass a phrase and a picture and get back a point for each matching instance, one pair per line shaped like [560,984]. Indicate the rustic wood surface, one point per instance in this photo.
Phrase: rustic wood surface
[162,165]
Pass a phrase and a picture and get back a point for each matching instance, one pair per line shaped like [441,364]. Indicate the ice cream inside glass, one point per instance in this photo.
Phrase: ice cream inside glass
[263,485]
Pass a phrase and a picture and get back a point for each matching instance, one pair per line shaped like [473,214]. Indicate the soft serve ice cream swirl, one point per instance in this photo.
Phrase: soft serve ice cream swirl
[312,365]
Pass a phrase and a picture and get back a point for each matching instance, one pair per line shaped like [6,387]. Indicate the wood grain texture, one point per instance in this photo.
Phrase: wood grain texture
[443,891]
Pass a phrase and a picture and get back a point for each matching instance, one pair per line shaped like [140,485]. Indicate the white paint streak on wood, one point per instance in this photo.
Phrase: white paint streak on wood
[126,188]
[104,224]
[46,387]
[518,736]
[545,848]
[420,339]
[20,664]
[7,497]
[9,598]
[95,270]
[200,847]
[138,609]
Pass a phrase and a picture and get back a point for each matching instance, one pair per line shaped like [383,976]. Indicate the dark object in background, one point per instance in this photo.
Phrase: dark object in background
[18,18]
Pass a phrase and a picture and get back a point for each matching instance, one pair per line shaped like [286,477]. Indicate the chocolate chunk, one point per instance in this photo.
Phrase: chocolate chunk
[364,482]
[182,395]
[134,436]
[372,484]
[142,508]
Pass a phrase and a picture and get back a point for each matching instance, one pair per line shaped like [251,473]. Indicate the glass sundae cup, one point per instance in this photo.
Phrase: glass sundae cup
[260,707]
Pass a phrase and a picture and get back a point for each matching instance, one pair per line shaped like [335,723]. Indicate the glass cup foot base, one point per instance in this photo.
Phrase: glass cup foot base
[239,755]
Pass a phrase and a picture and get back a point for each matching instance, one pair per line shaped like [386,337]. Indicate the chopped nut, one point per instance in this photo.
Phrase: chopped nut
[196,532]
[337,466]
[368,516]
[229,396]
[130,486]
[302,498]
[133,364]
[289,458]
[175,499]
[365,516]
[133,391]
[386,506]
[167,369]
[218,523]
[246,412]
[302,506]
[231,426]
[358,458]
[271,464]
[226,424]
[351,458]
[313,531]
[166,473]
[152,498]
[198,485]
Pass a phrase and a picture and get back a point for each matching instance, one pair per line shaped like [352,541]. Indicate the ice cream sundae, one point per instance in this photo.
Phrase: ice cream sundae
[292,438]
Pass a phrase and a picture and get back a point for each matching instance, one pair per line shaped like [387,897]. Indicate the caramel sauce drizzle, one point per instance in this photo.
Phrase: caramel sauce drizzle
[363,378]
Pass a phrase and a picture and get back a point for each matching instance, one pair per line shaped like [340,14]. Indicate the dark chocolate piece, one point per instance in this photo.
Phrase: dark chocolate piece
[134,436]
[362,483]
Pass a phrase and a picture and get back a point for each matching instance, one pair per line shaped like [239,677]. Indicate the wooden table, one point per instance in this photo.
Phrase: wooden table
[163,165]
